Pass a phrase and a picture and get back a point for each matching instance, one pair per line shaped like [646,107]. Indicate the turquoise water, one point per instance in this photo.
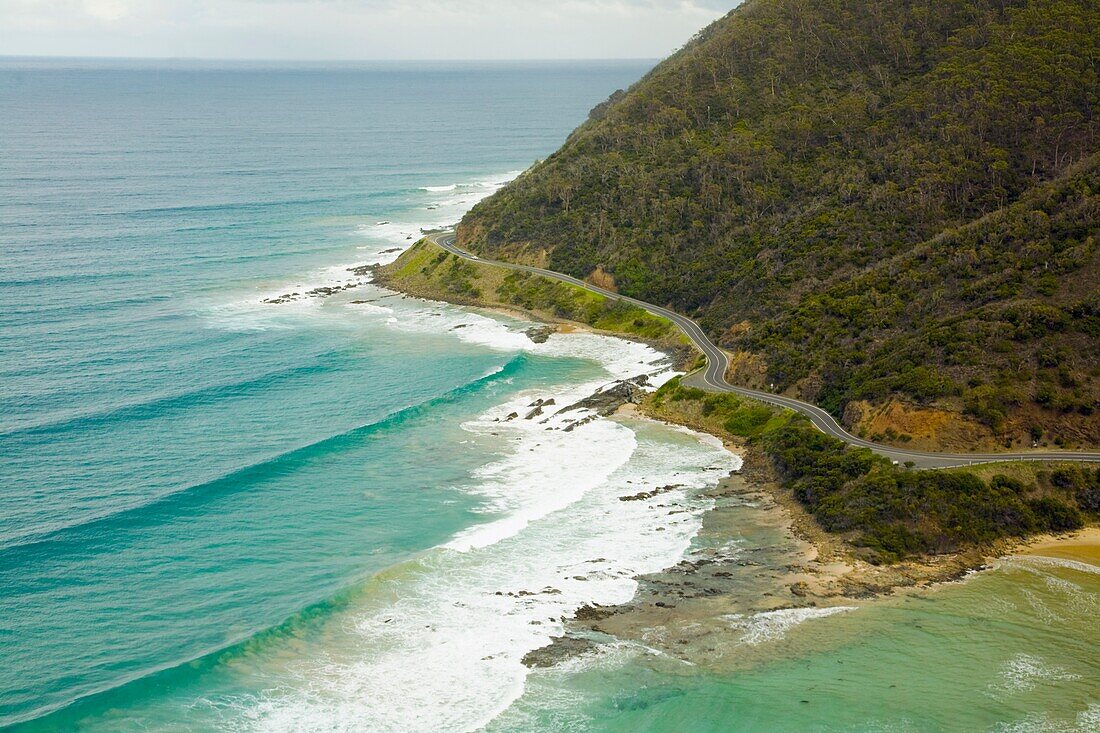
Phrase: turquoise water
[181,466]
[1012,650]
[226,513]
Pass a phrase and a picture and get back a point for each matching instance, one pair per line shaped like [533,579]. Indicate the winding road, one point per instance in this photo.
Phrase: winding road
[713,378]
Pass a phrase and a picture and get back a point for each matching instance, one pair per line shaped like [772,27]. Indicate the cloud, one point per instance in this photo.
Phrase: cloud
[353,29]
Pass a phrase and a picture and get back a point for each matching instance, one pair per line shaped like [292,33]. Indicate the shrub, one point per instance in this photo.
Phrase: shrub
[1056,515]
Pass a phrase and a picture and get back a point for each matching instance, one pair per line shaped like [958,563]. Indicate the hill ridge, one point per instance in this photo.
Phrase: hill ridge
[793,148]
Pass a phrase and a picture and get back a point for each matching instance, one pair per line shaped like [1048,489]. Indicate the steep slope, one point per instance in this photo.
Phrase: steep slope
[888,206]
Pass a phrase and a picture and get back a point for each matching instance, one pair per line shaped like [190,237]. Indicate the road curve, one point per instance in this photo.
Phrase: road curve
[713,378]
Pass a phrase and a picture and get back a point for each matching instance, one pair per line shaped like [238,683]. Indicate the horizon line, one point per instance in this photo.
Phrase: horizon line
[222,59]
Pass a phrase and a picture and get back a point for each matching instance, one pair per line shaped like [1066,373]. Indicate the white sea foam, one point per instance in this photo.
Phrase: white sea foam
[623,359]
[371,308]
[1038,561]
[1061,597]
[441,648]
[491,183]
[1087,721]
[772,625]
[1025,671]
[553,471]
[282,306]
[380,242]
[445,654]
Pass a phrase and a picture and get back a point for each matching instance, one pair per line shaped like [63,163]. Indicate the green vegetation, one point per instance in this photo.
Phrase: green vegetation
[890,511]
[543,295]
[724,412]
[428,270]
[899,199]
[989,337]
[897,513]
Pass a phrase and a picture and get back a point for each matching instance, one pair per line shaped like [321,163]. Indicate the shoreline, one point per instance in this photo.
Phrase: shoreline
[683,611]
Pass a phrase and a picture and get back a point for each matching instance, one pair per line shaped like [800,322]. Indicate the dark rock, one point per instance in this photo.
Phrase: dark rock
[539,334]
[589,612]
[643,495]
[579,423]
[558,650]
[608,399]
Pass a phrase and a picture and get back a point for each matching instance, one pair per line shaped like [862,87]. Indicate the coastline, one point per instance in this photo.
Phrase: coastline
[394,524]
[429,273]
[796,568]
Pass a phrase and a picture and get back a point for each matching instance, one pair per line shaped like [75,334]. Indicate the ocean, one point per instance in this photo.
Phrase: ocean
[244,489]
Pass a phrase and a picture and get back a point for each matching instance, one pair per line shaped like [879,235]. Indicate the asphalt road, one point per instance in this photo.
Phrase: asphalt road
[713,378]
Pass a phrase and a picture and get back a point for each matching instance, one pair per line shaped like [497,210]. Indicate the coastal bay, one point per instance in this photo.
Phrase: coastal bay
[248,488]
[761,567]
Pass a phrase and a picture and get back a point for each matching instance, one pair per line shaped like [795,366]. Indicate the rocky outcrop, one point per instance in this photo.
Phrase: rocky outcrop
[643,495]
[611,398]
[559,649]
[539,334]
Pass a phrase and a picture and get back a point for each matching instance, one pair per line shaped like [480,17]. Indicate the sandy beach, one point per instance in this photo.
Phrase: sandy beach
[1081,546]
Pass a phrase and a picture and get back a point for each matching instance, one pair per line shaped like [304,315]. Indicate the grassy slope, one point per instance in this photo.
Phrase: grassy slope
[874,201]
[432,272]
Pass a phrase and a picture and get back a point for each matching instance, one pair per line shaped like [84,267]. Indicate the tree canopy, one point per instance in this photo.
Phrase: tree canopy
[879,198]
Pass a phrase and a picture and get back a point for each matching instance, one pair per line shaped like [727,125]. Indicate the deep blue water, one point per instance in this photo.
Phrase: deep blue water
[182,466]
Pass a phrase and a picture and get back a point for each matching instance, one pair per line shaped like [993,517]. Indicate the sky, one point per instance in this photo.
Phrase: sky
[353,29]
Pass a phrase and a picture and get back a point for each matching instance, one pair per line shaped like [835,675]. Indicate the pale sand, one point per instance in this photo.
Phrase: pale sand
[1082,546]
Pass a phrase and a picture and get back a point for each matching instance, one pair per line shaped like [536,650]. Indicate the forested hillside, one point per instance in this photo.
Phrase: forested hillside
[891,207]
